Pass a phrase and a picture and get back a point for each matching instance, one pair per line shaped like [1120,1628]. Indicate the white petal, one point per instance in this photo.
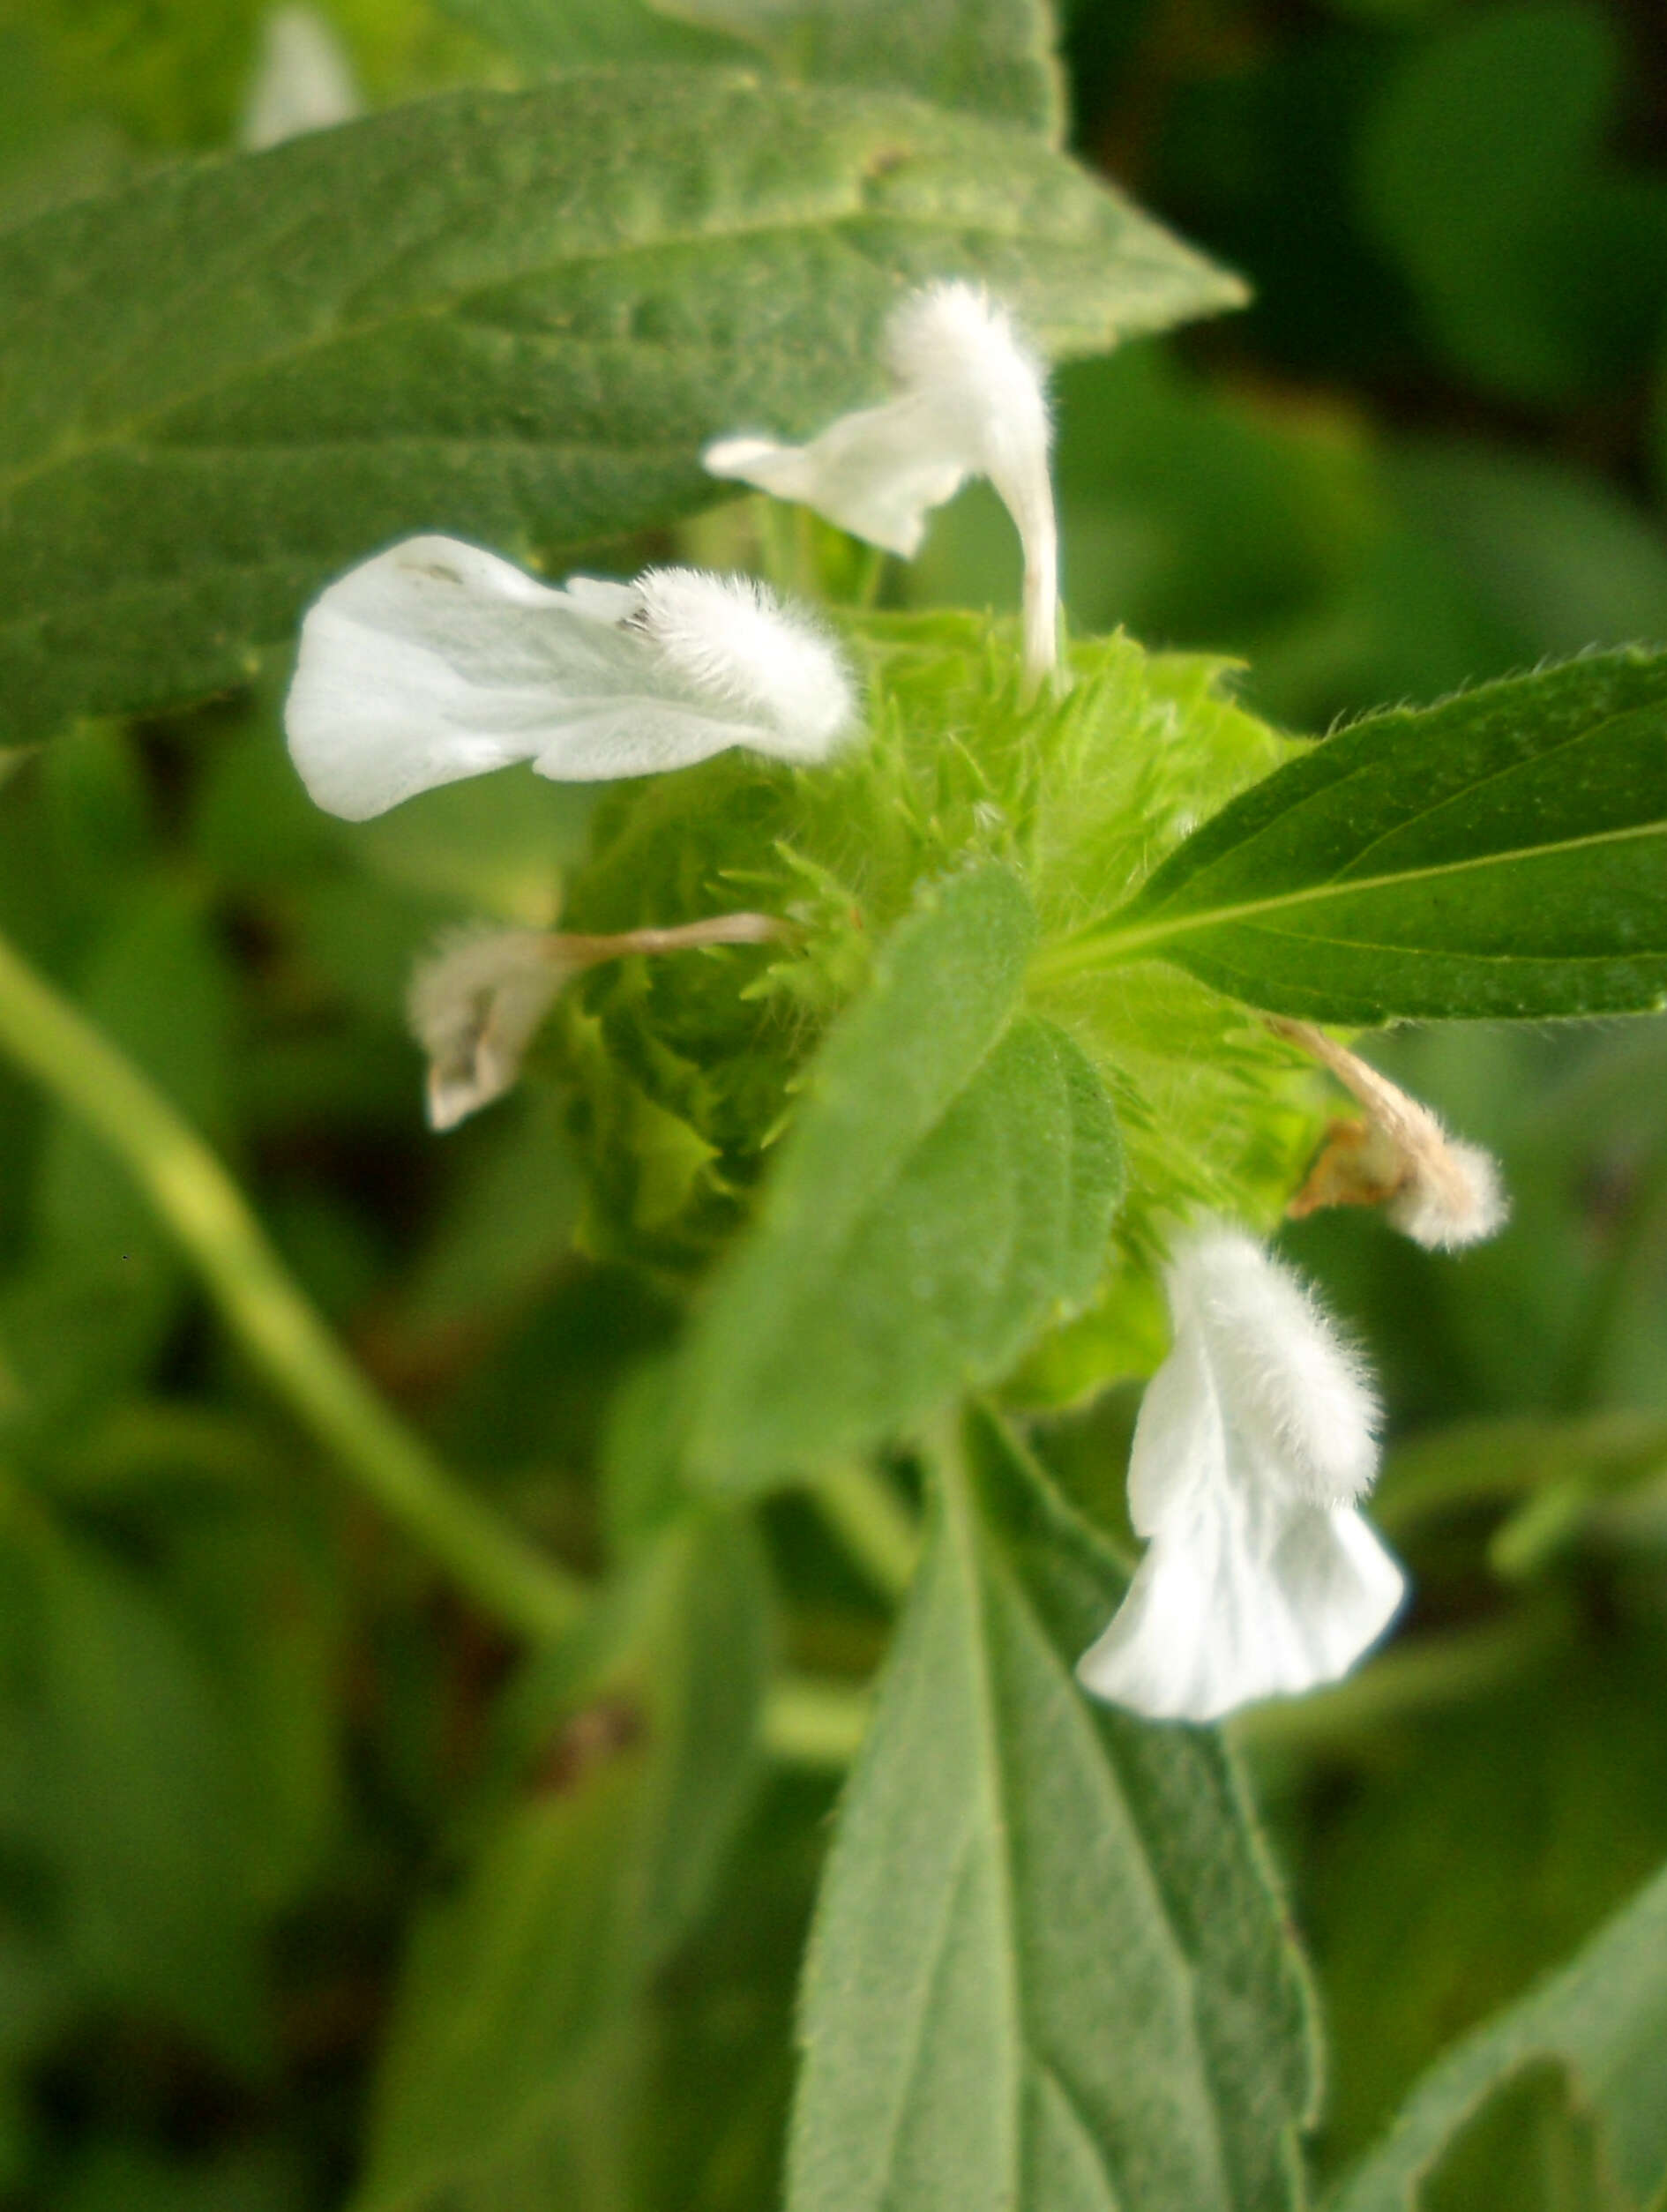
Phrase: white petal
[1255,1433]
[971,402]
[437,659]
[1242,1607]
[474,1006]
[304,80]
[876,474]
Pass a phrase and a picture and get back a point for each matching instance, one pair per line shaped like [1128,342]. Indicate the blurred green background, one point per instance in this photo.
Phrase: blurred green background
[237,1723]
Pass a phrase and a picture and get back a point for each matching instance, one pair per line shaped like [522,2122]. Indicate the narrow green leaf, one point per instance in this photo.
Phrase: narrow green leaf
[631,1765]
[1603,2017]
[513,316]
[1079,1997]
[992,58]
[1502,855]
[947,1187]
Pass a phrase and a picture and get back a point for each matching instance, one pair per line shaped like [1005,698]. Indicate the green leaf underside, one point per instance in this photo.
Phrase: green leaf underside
[1603,2017]
[1078,1995]
[1502,855]
[948,1185]
[516,317]
[639,1774]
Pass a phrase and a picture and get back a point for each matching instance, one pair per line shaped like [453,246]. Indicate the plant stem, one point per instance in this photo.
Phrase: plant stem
[808,1722]
[207,1215]
[871,1521]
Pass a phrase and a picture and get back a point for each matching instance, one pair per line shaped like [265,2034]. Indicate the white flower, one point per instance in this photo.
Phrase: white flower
[1255,1440]
[1442,1193]
[435,661]
[476,1003]
[303,81]
[971,401]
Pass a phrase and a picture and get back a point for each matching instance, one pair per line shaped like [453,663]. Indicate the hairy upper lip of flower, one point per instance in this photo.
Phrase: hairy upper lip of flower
[971,401]
[437,659]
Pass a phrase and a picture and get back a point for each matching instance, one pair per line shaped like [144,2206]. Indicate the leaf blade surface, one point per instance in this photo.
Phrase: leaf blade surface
[514,317]
[1503,855]
[1082,1997]
[948,1185]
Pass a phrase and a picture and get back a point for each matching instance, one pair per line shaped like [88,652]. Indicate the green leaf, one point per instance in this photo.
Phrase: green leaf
[1047,1968]
[1603,2017]
[138,1800]
[992,57]
[1501,855]
[948,1185]
[632,1764]
[513,316]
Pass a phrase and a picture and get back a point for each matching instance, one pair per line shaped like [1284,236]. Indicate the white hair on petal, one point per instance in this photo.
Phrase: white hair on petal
[732,641]
[953,339]
[1454,1200]
[1282,1367]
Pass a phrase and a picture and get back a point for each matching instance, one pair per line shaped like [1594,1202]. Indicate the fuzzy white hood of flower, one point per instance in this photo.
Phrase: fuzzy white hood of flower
[971,401]
[1254,1441]
[303,81]
[437,659]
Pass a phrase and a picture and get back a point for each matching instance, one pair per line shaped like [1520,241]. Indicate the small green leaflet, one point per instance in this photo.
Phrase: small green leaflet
[632,1768]
[516,317]
[1047,1970]
[947,1187]
[1603,2019]
[1503,854]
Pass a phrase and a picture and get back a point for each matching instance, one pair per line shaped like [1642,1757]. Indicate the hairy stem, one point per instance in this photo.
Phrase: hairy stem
[207,1215]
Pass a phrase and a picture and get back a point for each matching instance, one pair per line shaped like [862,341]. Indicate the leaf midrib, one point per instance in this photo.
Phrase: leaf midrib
[1127,943]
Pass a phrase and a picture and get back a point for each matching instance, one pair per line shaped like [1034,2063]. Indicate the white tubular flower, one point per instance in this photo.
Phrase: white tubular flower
[304,80]
[476,1003]
[971,401]
[1255,1440]
[474,1006]
[1442,1193]
[435,661]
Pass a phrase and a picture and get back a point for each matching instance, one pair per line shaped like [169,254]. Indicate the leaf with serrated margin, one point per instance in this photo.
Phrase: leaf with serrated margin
[515,317]
[1503,855]
[1603,2017]
[946,1190]
[992,58]
[1047,1970]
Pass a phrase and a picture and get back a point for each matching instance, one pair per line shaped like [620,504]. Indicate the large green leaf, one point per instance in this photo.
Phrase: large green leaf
[1047,1968]
[1502,855]
[515,316]
[630,1767]
[947,1187]
[1603,2019]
